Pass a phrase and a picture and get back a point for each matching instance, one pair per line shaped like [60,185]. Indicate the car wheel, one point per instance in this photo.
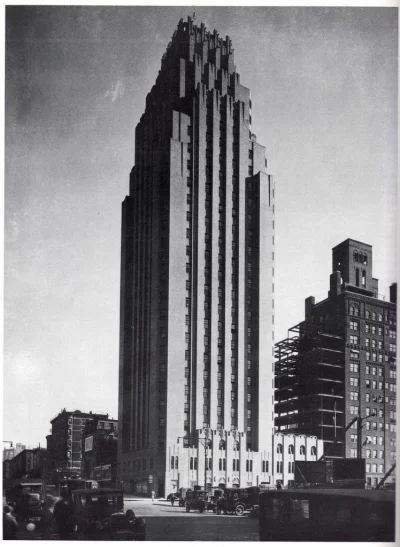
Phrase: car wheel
[239,510]
[187,508]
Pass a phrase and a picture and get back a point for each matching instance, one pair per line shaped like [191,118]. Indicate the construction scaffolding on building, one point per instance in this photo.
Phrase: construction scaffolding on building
[309,384]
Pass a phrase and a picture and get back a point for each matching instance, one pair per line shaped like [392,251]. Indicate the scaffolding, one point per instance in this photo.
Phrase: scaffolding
[309,384]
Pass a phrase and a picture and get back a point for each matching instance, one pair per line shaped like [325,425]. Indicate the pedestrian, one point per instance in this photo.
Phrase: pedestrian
[279,485]
[152,496]
[173,498]
[64,518]
[10,525]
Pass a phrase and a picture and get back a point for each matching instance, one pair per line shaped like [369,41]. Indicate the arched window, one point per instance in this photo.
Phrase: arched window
[373,316]
[355,256]
[356,311]
[302,450]
[279,448]
[222,444]
[351,310]
[172,462]
[313,451]
[365,260]
[291,449]
[367,314]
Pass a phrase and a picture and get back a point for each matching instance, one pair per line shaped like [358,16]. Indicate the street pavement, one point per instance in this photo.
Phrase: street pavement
[166,523]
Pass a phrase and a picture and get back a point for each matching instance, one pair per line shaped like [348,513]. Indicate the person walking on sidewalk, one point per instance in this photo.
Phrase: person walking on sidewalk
[152,496]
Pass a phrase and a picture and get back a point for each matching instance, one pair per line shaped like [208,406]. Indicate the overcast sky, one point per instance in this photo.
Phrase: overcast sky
[324,93]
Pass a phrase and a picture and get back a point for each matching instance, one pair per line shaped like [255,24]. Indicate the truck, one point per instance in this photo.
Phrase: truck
[331,472]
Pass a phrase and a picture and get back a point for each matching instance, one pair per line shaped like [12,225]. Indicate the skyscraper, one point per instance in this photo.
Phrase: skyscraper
[336,373]
[196,316]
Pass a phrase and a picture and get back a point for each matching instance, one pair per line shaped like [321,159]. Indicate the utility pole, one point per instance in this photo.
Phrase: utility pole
[205,440]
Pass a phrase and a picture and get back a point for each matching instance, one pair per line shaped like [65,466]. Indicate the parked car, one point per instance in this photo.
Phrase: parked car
[196,500]
[238,500]
[99,516]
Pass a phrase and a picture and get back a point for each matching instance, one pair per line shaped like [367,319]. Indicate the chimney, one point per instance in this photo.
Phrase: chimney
[393,293]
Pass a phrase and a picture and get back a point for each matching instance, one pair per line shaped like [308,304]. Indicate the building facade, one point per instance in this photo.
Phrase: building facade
[11,452]
[29,463]
[99,450]
[64,444]
[197,255]
[336,373]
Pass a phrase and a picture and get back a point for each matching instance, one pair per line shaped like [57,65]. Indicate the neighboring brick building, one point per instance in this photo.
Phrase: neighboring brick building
[99,450]
[340,363]
[65,442]
[29,463]
[196,322]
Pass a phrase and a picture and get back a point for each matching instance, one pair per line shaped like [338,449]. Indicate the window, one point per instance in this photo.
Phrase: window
[353,339]
[353,410]
[353,437]
[354,395]
[313,451]
[354,367]
[249,397]
[279,467]
[172,462]
[373,343]
[392,333]
[374,316]
[249,380]
[353,453]
[279,448]
[367,342]
[291,449]
[373,329]
[302,450]
[353,325]
[392,347]
[354,381]
[368,383]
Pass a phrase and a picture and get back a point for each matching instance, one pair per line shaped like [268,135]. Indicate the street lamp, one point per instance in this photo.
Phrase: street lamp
[205,440]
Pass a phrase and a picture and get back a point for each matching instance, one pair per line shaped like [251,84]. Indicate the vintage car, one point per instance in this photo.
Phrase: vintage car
[196,500]
[216,495]
[99,516]
[237,500]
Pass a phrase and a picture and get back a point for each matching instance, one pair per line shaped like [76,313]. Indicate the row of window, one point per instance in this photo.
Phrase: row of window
[354,339]
[374,454]
[374,468]
[355,310]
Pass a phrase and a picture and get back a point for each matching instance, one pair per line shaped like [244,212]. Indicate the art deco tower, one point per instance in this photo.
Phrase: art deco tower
[196,323]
